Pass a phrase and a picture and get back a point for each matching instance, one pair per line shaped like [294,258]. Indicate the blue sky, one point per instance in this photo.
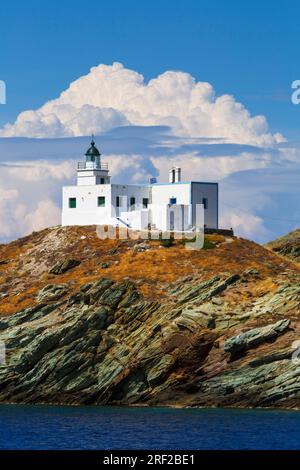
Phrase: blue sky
[249,49]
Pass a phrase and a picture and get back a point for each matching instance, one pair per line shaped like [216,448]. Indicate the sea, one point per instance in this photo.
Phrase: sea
[112,428]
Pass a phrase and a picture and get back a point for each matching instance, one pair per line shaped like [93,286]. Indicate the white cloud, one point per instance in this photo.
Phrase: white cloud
[205,168]
[244,223]
[11,212]
[111,95]
[35,204]
[144,129]
[39,170]
[45,215]
[17,219]
[258,190]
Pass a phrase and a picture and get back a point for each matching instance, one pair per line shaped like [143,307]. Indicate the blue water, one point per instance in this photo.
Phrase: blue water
[51,427]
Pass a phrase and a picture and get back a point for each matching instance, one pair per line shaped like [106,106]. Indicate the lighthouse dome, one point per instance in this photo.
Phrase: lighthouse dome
[92,152]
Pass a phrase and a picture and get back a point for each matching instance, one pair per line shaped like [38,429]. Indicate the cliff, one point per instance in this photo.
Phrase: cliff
[288,245]
[90,321]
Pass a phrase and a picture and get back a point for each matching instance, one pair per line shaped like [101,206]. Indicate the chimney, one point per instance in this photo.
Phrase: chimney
[175,174]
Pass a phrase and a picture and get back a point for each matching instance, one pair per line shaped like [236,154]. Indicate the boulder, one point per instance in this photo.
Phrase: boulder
[52,292]
[252,338]
[62,266]
[104,265]
[140,247]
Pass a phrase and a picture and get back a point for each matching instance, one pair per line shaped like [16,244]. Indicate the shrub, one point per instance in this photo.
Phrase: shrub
[166,242]
[208,245]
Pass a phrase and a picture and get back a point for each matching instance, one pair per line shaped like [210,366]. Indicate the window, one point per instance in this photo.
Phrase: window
[132,203]
[145,202]
[173,200]
[102,180]
[118,201]
[101,201]
[72,202]
[205,202]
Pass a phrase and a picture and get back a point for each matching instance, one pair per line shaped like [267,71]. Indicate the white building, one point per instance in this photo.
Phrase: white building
[164,206]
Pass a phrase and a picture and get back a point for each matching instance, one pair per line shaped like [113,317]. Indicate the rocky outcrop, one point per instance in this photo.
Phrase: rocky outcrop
[288,245]
[252,338]
[207,333]
[63,266]
[106,344]
[52,292]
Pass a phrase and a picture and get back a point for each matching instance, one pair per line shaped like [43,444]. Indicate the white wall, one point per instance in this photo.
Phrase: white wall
[170,217]
[87,211]
[161,195]
[188,193]
[128,191]
[137,220]
[91,177]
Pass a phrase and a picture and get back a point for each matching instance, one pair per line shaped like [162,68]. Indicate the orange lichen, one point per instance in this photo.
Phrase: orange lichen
[28,261]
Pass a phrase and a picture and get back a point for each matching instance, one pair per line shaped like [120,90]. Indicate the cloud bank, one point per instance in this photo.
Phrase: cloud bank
[142,129]
[112,95]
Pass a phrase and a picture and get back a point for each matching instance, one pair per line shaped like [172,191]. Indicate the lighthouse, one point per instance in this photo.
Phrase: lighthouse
[93,170]
[163,206]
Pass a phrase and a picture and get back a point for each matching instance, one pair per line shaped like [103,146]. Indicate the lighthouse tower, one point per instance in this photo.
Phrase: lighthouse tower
[93,170]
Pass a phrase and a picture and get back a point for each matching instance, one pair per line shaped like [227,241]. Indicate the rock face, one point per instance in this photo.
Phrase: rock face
[208,331]
[288,245]
[63,266]
[252,338]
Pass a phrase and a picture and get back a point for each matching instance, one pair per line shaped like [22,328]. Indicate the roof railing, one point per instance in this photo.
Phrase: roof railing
[92,166]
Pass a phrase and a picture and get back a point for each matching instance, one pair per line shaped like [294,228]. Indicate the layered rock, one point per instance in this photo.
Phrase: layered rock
[93,336]
[288,245]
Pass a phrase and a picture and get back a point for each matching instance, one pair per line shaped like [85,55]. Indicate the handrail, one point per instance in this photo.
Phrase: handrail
[123,222]
[92,166]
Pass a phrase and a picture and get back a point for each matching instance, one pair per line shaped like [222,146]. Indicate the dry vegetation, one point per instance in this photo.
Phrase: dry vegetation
[25,264]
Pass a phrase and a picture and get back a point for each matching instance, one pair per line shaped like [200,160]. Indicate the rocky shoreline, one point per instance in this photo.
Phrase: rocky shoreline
[204,339]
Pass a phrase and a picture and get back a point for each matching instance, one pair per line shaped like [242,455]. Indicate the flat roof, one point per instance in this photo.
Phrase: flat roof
[182,182]
[140,185]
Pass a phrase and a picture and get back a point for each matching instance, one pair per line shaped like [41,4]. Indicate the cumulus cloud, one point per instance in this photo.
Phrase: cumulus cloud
[245,223]
[112,95]
[11,212]
[142,129]
[258,185]
[44,215]
[39,170]
[30,194]
[19,219]
[36,203]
